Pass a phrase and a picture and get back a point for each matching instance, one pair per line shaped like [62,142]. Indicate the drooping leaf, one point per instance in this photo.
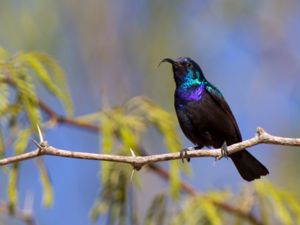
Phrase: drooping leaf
[19,147]
[33,63]
[46,184]
[156,214]
[293,205]
[113,197]
[264,205]
[200,209]
[164,122]
[210,211]
[174,179]
[278,201]
[22,141]
[3,94]
[107,138]
[27,98]
[58,77]
[12,193]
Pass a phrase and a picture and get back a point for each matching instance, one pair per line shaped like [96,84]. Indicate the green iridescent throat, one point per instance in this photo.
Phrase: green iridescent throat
[190,87]
[190,80]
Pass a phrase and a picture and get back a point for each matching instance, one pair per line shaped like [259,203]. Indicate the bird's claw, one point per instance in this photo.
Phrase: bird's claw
[224,151]
[183,154]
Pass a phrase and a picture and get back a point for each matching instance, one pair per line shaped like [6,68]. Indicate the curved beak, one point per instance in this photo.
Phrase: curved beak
[167,60]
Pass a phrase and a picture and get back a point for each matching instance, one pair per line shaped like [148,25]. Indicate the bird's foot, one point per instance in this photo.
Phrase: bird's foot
[224,151]
[183,153]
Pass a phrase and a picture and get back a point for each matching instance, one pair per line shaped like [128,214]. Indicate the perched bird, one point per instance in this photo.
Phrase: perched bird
[205,117]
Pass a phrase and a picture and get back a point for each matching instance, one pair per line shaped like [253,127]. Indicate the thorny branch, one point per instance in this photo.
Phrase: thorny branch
[138,162]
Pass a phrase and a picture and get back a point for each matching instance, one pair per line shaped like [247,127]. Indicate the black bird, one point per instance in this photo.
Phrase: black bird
[205,117]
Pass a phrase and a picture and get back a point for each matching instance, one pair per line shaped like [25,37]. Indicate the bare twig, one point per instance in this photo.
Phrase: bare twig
[139,161]
[57,119]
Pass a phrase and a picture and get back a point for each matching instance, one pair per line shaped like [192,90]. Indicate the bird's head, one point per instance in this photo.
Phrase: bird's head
[186,71]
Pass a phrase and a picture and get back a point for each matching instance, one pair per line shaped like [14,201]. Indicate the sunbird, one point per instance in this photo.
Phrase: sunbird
[205,117]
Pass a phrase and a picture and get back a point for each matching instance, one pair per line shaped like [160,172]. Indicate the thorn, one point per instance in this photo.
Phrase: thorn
[131,176]
[40,134]
[37,144]
[41,145]
[132,172]
[132,153]
[260,131]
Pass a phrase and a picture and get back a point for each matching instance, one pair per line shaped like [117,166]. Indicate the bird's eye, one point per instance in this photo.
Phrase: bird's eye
[189,65]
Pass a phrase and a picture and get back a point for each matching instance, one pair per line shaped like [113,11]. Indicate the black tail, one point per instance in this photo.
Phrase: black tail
[248,166]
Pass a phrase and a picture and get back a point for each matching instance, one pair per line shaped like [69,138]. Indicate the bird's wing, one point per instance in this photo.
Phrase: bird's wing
[216,95]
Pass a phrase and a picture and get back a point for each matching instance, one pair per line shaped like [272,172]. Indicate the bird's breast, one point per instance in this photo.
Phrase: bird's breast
[185,95]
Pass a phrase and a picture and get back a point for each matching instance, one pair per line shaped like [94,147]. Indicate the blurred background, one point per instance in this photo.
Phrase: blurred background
[249,49]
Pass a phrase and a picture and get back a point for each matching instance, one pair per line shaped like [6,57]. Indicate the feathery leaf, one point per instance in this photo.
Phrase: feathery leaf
[46,184]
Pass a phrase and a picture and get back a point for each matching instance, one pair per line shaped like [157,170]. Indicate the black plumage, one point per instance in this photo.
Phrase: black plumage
[206,118]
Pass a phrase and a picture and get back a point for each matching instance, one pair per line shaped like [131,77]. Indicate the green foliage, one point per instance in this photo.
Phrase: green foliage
[201,209]
[107,131]
[3,94]
[22,141]
[125,127]
[114,196]
[43,66]
[275,205]
[164,122]
[127,123]
[156,213]
[19,147]
[279,203]
[12,188]
[121,128]
[45,181]
[27,99]
[154,115]
[174,179]
[19,108]
[18,76]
